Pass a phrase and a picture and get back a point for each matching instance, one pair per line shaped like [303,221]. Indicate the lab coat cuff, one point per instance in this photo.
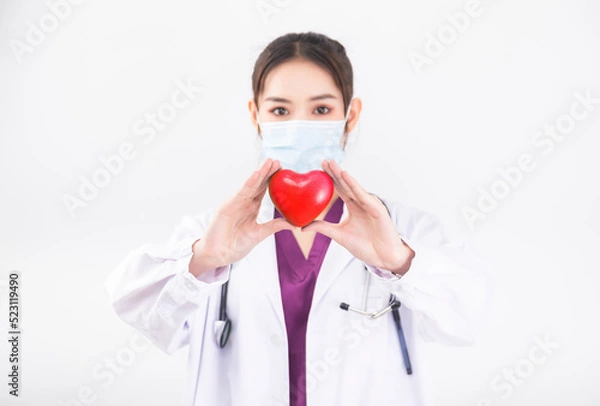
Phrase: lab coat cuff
[187,287]
[383,273]
[209,280]
[423,259]
[215,276]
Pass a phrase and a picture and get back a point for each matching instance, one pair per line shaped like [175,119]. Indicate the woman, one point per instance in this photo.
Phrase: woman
[291,342]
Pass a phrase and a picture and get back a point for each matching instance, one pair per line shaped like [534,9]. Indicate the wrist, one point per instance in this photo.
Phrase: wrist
[404,264]
[201,262]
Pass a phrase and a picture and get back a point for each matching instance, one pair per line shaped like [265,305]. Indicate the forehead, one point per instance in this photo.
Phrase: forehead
[298,80]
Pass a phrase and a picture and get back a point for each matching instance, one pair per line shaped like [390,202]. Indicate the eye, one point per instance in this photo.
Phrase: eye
[278,111]
[322,110]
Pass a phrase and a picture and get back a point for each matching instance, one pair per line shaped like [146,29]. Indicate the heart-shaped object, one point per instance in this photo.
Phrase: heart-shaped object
[300,197]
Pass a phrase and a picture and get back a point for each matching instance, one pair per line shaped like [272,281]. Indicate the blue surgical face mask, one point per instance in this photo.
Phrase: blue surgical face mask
[301,145]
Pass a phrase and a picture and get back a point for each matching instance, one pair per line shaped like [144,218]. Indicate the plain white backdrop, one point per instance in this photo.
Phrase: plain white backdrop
[437,136]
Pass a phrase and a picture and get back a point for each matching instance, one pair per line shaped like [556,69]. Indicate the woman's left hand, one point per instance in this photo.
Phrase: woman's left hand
[367,232]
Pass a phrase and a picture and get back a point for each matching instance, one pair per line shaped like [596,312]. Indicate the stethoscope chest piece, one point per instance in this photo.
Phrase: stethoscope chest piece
[223,325]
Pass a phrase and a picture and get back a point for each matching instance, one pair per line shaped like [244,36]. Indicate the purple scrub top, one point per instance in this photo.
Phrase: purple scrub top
[297,278]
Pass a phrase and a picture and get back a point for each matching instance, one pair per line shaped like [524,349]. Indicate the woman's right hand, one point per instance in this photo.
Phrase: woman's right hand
[233,231]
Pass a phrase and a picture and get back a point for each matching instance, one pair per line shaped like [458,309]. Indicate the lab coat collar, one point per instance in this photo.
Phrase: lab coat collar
[263,260]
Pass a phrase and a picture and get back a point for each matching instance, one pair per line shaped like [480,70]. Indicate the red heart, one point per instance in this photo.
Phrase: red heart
[300,197]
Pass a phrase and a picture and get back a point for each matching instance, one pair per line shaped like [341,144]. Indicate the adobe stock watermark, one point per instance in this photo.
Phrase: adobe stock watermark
[269,8]
[435,45]
[543,142]
[104,373]
[152,123]
[506,382]
[37,33]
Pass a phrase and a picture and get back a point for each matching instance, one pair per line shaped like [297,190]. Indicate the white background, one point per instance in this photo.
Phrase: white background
[432,138]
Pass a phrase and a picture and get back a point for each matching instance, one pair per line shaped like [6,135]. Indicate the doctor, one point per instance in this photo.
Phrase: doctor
[291,342]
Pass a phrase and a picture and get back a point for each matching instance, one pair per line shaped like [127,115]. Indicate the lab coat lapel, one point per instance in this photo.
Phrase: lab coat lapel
[336,259]
[263,261]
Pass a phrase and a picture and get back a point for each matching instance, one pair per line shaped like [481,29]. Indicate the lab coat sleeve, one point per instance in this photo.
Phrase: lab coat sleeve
[153,291]
[449,287]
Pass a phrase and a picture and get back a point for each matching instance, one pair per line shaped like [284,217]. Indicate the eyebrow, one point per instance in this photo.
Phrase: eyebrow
[314,98]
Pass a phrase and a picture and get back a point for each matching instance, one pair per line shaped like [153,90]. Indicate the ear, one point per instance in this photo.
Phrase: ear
[355,109]
[253,109]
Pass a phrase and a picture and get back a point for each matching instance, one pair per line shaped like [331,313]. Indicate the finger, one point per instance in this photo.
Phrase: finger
[339,187]
[262,189]
[275,166]
[362,197]
[265,171]
[260,195]
[326,228]
[255,183]
[273,226]
[337,173]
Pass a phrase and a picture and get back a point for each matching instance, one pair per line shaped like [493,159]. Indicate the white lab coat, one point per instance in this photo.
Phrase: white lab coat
[351,360]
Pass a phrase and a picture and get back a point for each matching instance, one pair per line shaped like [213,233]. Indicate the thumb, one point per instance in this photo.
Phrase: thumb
[273,226]
[326,228]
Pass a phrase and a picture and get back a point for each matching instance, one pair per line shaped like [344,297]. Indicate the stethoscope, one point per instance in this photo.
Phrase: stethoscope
[392,306]
[224,331]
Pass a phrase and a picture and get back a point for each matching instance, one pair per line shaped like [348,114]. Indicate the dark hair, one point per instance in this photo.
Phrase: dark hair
[318,48]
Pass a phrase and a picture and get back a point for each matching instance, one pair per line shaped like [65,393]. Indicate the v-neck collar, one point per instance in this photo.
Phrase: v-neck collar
[292,250]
